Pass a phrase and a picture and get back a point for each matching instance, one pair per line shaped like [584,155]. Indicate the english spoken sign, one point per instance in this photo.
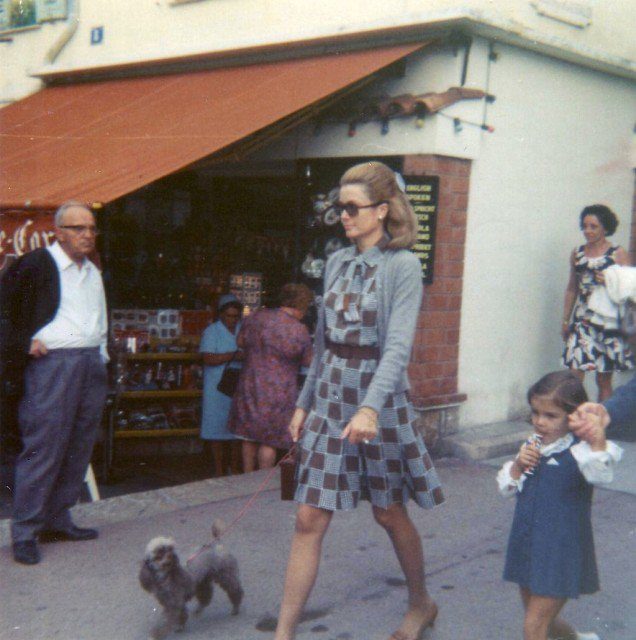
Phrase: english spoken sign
[422,194]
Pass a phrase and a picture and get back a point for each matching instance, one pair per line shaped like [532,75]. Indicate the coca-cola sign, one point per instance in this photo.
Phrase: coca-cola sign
[23,231]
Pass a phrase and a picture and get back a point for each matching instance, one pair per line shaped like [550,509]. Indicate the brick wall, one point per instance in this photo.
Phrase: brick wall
[434,363]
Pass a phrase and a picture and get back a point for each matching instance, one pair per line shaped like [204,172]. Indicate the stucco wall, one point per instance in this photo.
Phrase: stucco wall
[157,29]
[562,142]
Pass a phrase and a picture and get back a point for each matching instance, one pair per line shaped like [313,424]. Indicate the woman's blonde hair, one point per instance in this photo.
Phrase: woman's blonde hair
[380,184]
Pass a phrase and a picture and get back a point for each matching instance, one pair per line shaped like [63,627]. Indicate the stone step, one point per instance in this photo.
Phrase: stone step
[486,441]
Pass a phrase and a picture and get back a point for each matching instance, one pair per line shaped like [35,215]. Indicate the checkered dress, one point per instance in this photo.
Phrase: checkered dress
[334,474]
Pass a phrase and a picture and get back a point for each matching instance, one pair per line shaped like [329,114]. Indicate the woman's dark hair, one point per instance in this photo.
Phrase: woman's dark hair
[562,387]
[232,304]
[296,296]
[607,218]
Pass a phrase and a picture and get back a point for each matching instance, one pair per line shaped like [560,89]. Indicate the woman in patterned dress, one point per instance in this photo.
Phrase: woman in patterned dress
[589,345]
[275,345]
[354,423]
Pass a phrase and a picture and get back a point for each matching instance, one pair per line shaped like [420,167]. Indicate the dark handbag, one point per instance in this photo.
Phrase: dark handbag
[229,380]
[287,478]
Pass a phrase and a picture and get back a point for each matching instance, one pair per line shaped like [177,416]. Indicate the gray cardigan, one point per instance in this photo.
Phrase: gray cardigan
[399,289]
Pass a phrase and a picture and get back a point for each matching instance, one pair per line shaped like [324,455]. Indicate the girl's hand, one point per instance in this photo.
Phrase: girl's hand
[362,427]
[296,423]
[599,276]
[527,458]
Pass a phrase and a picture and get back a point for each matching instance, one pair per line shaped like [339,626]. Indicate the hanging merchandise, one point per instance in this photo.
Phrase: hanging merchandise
[312,267]
[332,245]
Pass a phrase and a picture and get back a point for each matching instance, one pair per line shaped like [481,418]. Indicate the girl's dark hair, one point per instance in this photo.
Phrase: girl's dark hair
[607,218]
[562,387]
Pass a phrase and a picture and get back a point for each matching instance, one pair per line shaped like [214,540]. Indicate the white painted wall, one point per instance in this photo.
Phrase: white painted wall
[158,29]
[562,142]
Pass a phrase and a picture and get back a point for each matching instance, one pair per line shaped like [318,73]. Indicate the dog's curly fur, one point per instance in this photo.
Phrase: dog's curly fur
[173,585]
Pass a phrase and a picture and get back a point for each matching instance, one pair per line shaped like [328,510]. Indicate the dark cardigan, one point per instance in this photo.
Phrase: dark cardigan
[29,299]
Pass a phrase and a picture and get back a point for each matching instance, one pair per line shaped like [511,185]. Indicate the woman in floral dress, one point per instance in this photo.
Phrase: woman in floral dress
[354,423]
[275,345]
[589,344]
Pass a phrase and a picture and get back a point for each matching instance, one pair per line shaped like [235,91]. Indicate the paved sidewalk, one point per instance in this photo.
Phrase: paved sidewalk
[89,590]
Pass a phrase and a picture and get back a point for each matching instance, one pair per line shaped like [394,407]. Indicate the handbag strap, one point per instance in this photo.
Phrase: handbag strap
[230,361]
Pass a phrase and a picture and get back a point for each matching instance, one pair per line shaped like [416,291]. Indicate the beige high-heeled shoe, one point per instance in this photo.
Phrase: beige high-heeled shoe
[430,622]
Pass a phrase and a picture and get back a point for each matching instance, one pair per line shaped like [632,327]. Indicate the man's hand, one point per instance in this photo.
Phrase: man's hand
[585,421]
[38,349]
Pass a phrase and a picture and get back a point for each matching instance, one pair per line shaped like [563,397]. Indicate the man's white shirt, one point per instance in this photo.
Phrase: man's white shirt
[81,319]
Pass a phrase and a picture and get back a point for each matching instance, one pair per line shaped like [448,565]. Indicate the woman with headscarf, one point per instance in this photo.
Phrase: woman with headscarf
[219,350]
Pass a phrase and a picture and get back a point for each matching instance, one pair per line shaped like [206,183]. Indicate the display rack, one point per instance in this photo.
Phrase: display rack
[125,398]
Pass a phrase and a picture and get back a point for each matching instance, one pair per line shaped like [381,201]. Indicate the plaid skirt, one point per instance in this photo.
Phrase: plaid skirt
[334,474]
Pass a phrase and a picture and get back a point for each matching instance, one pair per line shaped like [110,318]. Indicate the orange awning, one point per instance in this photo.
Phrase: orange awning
[99,141]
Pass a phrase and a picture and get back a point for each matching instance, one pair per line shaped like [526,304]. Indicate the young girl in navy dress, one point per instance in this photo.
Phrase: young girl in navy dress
[551,550]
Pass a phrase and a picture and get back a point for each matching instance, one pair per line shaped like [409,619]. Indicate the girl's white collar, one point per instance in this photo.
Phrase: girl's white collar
[563,443]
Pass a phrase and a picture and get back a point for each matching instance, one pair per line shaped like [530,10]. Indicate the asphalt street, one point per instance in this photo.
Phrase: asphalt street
[90,591]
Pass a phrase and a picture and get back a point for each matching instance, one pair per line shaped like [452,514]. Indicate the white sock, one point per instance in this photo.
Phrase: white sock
[590,635]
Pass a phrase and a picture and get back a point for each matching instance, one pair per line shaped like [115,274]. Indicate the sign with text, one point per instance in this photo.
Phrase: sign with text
[19,14]
[23,231]
[51,10]
[422,192]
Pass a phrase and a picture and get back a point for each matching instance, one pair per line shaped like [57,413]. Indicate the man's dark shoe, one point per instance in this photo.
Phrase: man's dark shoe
[73,534]
[26,552]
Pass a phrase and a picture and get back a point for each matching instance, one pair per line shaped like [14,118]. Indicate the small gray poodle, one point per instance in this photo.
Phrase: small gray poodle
[173,584]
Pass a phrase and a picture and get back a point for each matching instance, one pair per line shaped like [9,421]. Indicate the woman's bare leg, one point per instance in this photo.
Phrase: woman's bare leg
[266,456]
[219,457]
[408,548]
[249,451]
[604,384]
[304,558]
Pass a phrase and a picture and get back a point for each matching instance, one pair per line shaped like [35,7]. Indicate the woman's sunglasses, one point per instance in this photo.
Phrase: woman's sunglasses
[353,209]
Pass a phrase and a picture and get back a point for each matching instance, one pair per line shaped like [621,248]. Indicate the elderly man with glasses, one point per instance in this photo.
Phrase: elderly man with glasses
[53,339]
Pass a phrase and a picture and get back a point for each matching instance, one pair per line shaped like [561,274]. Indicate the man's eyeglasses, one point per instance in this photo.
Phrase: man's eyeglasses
[353,209]
[79,229]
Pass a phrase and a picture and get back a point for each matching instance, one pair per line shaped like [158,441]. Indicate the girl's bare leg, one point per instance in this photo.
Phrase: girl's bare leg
[541,615]
[304,558]
[249,451]
[408,548]
[604,384]
[266,456]
[559,629]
